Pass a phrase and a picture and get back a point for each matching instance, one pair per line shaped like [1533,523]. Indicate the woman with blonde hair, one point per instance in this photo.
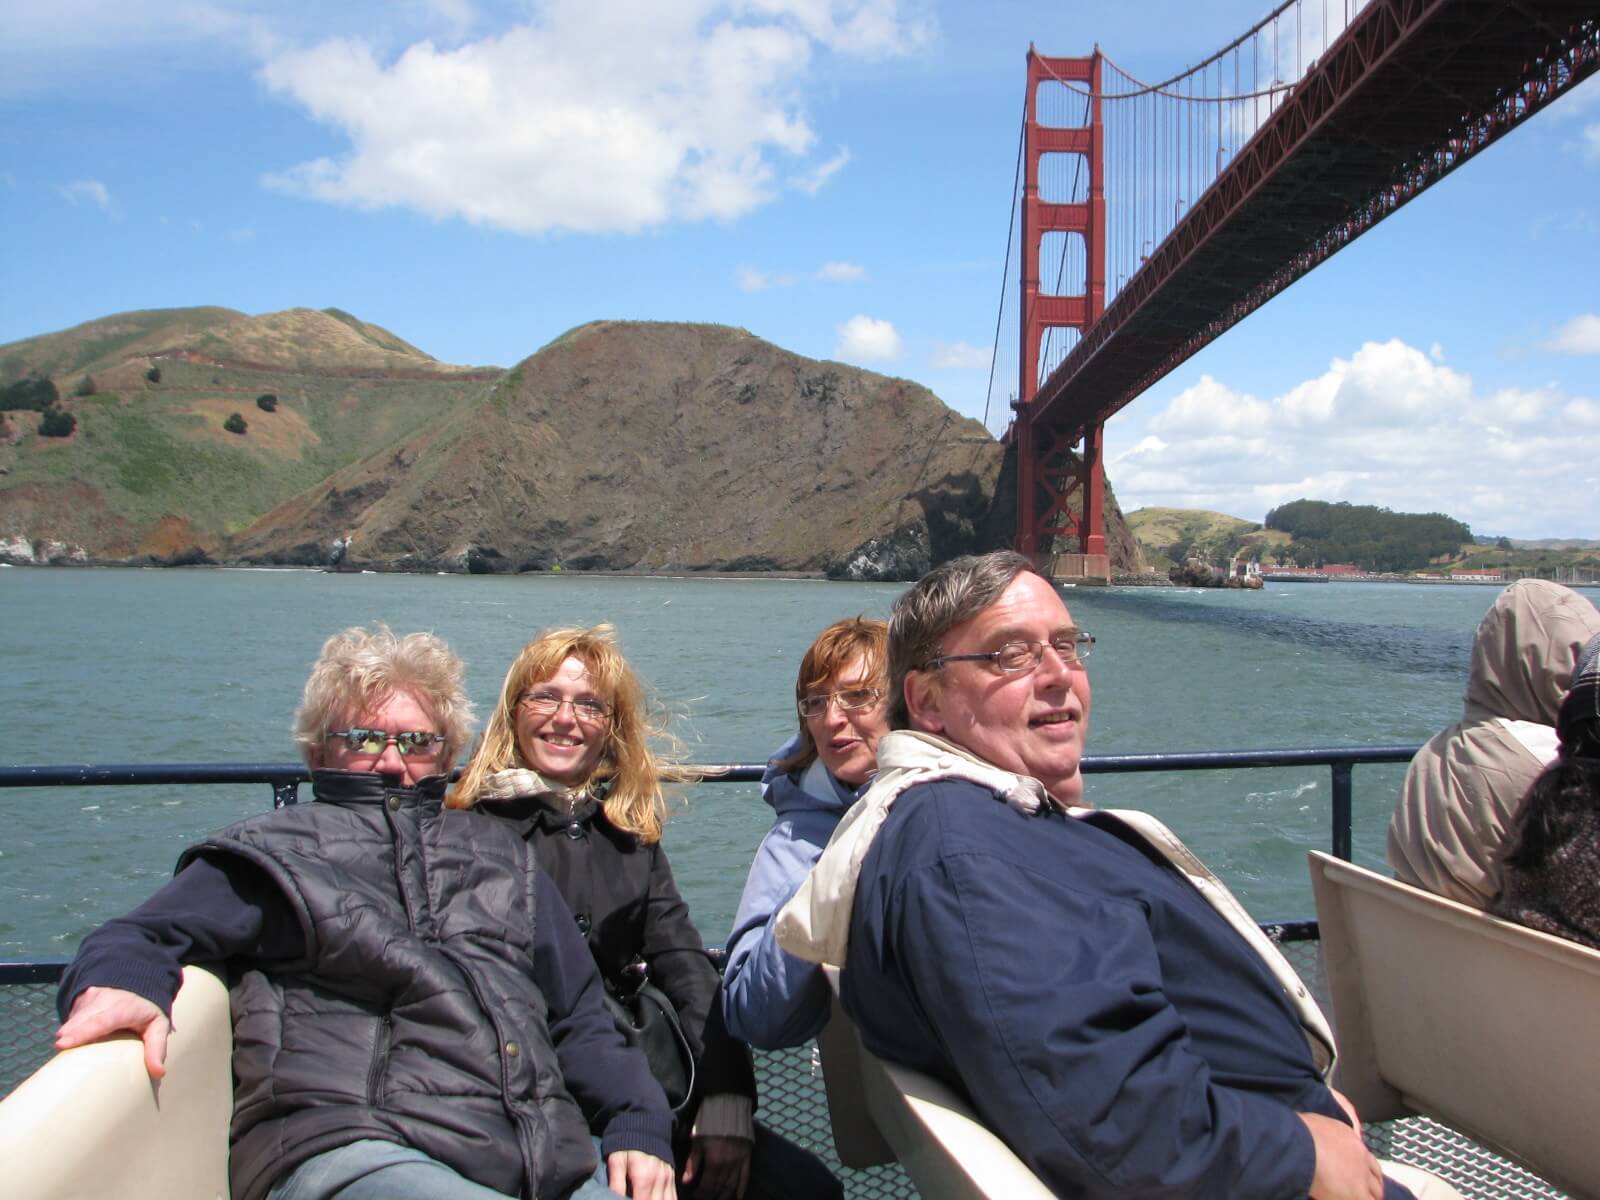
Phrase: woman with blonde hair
[771,998]
[568,758]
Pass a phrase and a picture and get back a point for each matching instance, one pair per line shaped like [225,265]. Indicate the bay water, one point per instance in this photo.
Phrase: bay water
[205,665]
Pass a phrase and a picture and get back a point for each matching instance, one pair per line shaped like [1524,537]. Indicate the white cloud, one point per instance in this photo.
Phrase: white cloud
[87,191]
[753,279]
[1390,425]
[840,272]
[865,28]
[959,356]
[79,44]
[867,339]
[1582,412]
[1580,335]
[588,118]
[1591,143]
[815,180]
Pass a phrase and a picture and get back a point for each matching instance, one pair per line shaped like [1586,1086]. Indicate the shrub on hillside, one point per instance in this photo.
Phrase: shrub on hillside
[235,423]
[86,386]
[267,402]
[153,374]
[34,393]
[57,423]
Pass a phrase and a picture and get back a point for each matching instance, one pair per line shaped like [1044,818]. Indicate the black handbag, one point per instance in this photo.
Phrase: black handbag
[647,1019]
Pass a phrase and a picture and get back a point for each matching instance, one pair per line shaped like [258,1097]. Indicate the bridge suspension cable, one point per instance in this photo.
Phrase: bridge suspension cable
[1165,145]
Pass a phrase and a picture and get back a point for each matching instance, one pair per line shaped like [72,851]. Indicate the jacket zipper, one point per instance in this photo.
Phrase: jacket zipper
[380,1061]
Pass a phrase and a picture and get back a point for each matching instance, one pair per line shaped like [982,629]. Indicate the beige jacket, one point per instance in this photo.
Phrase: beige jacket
[815,924]
[1463,787]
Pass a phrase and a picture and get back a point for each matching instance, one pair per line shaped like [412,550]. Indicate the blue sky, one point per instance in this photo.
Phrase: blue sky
[834,175]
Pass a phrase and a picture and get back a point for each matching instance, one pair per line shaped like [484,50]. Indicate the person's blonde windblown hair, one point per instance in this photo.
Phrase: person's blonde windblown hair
[358,668]
[634,803]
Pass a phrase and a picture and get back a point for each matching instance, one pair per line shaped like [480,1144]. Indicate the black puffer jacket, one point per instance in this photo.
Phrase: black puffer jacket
[415,1022]
[627,906]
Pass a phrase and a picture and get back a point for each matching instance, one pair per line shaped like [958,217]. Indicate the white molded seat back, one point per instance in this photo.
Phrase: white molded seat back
[882,1111]
[1481,1023]
[91,1123]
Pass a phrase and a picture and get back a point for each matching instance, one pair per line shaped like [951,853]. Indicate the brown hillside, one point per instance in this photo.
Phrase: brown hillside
[657,447]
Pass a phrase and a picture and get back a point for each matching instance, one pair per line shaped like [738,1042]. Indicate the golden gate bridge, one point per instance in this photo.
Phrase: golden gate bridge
[1151,217]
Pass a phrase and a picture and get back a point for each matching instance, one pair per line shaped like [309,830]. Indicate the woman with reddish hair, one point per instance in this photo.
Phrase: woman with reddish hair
[770,998]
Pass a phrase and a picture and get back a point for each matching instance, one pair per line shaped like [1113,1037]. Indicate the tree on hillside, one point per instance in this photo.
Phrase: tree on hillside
[86,386]
[235,423]
[57,423]
[267,402]
[153,374]
[34,393]
[1370,537]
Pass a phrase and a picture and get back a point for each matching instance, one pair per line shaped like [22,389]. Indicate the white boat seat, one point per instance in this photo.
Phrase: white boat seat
[91,1122]
[1474,1021]
[881,1111]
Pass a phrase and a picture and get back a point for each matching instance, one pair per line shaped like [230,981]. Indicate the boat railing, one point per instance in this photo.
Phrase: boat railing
[792,1100]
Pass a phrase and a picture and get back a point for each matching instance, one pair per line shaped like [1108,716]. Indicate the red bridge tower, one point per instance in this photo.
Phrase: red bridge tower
[1049,475]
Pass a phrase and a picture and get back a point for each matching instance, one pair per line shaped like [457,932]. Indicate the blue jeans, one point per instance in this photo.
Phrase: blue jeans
[376,1170]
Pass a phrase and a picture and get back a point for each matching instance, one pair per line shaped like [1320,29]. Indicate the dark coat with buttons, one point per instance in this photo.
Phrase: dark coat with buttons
[622,893]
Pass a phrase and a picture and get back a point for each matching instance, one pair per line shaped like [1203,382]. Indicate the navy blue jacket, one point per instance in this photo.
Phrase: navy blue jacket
[1106,1022]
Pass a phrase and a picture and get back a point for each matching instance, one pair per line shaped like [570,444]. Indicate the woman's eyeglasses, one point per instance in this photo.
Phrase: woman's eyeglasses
[586,708]
[411,743]
[848,699]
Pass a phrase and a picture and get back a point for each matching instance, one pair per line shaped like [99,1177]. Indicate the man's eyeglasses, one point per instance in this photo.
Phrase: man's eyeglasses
[586,709]
[1071,647]
[848,699]
[411,743]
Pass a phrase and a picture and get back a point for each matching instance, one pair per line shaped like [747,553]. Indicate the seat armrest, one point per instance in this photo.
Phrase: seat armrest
[91,1121]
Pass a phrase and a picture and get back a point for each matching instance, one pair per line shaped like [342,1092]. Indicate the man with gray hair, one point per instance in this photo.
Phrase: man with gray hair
[1113,1013]
[415,1013]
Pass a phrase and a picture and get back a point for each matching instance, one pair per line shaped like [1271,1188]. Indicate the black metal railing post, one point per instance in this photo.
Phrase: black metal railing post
[1342,810]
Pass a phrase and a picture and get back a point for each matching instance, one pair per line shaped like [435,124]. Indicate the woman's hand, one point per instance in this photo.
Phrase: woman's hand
[640,1175]
[718,1167]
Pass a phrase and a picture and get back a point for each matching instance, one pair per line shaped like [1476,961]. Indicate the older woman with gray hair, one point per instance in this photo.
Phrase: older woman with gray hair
[384,954]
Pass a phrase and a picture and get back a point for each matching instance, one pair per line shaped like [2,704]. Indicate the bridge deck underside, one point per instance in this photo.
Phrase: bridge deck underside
[1393,105]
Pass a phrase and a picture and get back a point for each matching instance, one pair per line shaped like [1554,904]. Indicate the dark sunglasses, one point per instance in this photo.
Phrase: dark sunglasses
[408,742]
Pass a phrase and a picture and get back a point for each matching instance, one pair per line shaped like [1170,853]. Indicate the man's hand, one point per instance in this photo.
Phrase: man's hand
[99,1012]
[1349,1108]
[1346,1169]
[640,1175]
[718,1168]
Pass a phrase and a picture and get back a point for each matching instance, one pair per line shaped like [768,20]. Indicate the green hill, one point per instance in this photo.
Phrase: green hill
[151,470]
[1169,535]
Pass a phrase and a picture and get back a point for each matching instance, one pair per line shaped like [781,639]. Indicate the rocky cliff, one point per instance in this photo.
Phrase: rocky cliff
[633,446]
[663,447]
